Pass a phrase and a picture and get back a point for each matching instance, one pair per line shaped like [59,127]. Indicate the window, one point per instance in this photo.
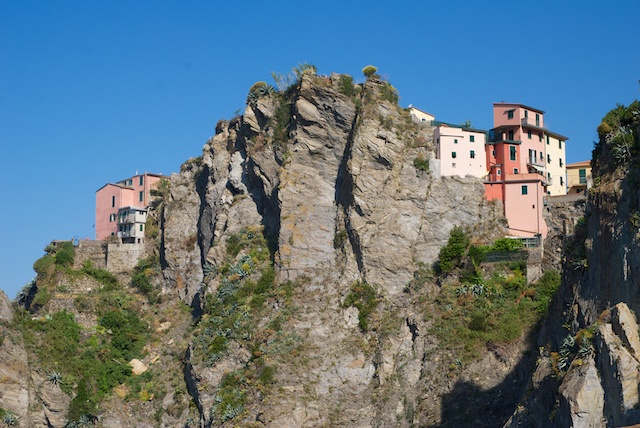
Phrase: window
[453,165]
[540,136]
[493,153]
[559,144]
[529,134]
[141,180]
[472,154]
[582,173]
[113,202]
[130,182]
[499,172]
[526,114]
[561,181]
[525,190]
[141,227]
[560,161]
[541,157]
[512,153]
[538,122]
[516,171]
[453,155]
[472,138]
[548,158]
[455,141]
[549,176]
[141,196]
[510,114]
[511,135]
[547,139]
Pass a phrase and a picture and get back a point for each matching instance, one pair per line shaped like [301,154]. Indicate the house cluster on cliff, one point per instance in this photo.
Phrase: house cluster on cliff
[121,207]
[520,160]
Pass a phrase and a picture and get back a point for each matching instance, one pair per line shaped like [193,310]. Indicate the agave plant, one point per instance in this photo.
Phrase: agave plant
[10,419]
[54,378]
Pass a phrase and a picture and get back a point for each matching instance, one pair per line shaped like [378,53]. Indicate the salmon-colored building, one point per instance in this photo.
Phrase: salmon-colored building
[520,157]
[110,198]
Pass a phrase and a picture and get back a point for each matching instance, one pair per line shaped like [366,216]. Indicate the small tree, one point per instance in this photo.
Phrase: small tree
[451,254]
[369,70]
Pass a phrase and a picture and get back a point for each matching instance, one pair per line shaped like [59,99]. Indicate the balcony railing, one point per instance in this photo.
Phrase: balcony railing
[535,161]
[531,122]
[131,218]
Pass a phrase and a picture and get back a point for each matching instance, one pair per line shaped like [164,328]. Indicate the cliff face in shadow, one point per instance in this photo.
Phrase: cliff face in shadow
[588,365]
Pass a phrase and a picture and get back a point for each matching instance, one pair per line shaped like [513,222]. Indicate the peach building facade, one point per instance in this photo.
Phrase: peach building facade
[110,198]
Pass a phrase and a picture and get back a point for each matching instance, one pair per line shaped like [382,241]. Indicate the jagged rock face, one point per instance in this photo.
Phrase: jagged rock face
[340,200]
[598,390]
[341,172]
[612,247]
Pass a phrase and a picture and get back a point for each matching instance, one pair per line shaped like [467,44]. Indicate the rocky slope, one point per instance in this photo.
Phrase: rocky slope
[588,370]
[289,281]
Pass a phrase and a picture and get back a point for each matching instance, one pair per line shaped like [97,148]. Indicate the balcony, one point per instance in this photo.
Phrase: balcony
[531,122]
[132,218]
[535,162]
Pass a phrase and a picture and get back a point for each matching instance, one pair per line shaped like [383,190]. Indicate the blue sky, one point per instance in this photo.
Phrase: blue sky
[90,92]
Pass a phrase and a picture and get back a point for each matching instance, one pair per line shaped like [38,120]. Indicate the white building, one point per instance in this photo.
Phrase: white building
[131,224]
[461,151]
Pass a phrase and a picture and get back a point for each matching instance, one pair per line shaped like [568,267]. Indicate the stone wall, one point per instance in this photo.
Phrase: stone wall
[115,258]
[122,258]
[96,251]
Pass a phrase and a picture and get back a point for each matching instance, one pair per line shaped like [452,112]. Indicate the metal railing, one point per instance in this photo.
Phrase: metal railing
[529,122]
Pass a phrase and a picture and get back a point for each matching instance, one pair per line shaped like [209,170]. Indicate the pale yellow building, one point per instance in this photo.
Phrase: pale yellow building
[578,176]
[555,163]
[421,116]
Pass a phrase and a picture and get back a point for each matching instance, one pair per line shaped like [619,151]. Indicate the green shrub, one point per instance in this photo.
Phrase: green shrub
[259,90]
[506,244]
[369,70]
[477,254]
[64,254]
[43,264]
[363,297]
[478,321]
[421,163]
[451,254]
[340,238]
[142,274]
[230,398]
[545,289]
[389,93]
[345,85]
[107,279]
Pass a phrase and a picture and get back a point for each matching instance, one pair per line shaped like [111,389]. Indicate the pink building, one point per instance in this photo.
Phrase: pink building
[110,198]
[521,172]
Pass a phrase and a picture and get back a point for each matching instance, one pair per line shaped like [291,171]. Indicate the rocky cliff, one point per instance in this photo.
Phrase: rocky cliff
[292,278]
[588,370]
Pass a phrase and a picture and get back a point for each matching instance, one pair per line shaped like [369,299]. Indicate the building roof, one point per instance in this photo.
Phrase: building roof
[133,208]
[579,164]
[116,185]
[502,103]
[425,112]
[144,173]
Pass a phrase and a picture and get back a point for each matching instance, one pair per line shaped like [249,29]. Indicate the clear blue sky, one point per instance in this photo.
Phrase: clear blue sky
[91,91]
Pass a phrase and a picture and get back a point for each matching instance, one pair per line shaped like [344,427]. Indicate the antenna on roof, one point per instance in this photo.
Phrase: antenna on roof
[136,172]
